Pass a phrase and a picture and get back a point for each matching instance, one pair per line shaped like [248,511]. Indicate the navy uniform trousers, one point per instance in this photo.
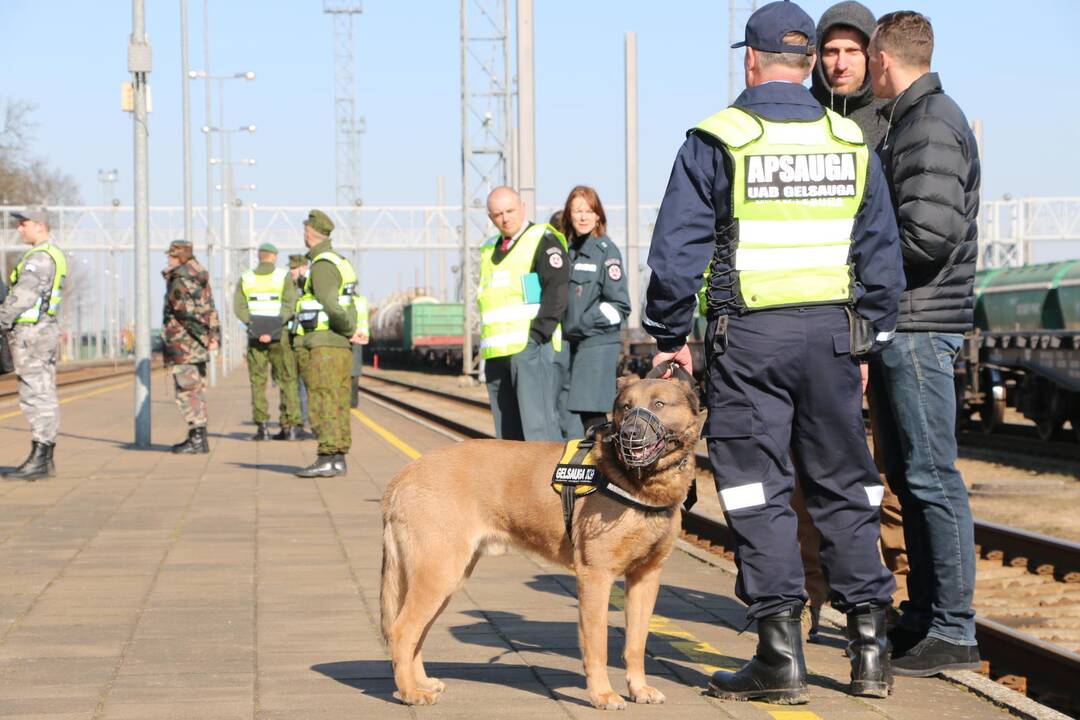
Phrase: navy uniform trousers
[787,381]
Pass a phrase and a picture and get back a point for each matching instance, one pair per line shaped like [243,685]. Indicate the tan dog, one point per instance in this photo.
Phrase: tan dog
[444,511]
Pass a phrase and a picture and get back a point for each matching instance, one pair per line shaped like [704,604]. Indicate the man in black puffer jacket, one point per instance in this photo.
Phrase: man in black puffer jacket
[932,165]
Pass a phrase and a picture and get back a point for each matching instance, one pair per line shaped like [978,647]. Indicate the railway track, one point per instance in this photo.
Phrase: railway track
[78,375]
[1027,586]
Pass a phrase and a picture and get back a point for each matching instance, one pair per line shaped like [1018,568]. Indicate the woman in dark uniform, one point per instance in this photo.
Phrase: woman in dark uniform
[597,305]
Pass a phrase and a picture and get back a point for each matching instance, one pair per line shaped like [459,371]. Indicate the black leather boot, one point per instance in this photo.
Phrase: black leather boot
[868,648]
[195,444]
[35,466]
[324,466]
[288,433]
[339,464]
[260,432]
[777,672]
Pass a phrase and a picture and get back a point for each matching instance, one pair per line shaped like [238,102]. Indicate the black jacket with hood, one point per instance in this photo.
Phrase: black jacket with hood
[861,105]
[932,164]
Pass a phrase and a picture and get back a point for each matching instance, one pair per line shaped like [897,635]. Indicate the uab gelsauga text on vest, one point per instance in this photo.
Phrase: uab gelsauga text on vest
[797,176]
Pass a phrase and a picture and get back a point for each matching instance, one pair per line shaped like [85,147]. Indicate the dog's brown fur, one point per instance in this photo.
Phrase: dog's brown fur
[444,511]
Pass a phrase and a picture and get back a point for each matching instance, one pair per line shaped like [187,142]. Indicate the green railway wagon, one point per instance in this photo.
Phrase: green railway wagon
[433,324]
[1027,298]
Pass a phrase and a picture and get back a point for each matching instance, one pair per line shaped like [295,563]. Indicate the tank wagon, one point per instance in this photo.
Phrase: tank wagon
[417,331]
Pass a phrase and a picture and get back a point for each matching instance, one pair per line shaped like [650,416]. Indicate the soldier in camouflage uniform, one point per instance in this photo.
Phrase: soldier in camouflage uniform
[265,301]
[30,313]
[190,331]
[298,267]
[326,316]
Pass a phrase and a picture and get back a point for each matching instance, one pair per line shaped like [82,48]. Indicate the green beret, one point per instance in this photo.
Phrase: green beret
[320,222]
[298,261]
[268,247]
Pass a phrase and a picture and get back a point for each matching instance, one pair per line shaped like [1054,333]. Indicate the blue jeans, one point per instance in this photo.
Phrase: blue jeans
[913,379]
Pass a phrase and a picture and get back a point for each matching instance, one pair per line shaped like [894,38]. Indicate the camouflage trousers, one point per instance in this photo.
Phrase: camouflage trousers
[190,385]
[277,360]
[326,374]
[33,349]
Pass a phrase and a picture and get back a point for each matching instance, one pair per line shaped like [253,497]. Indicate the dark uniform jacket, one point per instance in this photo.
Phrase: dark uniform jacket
[932,163]
[598,301]
[190,320]
[697,203]
[861,105]
[550,265]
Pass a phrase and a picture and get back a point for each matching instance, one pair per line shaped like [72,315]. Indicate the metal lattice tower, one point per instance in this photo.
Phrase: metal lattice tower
[348,126]
[739,12]
[487,136]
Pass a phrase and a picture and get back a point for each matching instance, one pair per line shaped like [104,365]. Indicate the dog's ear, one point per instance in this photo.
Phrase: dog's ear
[624,382]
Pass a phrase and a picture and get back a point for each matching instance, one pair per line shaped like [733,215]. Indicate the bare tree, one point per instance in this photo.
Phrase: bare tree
[24,178]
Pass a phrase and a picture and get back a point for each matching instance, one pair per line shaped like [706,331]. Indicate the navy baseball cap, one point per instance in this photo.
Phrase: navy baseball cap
[766,28]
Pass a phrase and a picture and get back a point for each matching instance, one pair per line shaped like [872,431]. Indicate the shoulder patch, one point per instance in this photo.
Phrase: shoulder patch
[615,272]
[612,261]
[555,260]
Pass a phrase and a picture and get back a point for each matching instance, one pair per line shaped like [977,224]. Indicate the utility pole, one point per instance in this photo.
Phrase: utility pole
[526,155]
[486,147]
[186,85]
[139,64]
[632,220]
[207,110]
[347,126]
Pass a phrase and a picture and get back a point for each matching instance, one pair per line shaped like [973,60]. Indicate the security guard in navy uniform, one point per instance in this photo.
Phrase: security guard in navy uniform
[522,298]
[597,304]
[790,211]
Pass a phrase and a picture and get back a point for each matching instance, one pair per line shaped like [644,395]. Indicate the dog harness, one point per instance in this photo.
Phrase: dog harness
[577,475]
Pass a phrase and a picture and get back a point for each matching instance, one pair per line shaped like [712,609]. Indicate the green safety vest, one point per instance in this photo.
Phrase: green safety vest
[264,292]
[309,311]
[796,189]
[506,312]
[51,299]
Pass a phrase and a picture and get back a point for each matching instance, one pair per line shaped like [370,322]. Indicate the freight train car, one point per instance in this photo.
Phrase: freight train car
[417,331]
[1025,352]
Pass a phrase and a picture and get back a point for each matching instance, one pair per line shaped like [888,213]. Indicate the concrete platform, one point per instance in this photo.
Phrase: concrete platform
[138,584]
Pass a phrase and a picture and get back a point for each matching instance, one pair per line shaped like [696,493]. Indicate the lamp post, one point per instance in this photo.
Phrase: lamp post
[226,219]
[207,76]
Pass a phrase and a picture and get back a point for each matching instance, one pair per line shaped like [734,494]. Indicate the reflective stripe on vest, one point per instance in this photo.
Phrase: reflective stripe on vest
[263,292]
[796,189]
[362,315]
[310,316]
[505,313]
[51,299]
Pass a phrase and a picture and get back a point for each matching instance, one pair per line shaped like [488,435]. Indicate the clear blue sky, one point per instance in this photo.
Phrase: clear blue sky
[1008,63]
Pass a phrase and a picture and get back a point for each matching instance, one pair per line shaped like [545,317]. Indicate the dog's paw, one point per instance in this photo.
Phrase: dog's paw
[417,697]
[647,695]
[432,685]
[607,700]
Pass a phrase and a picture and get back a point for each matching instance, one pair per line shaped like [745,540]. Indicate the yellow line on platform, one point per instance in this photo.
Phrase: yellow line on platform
[72,398]
[387,435]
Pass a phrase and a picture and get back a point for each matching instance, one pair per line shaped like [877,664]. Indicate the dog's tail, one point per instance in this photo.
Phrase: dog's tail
[393,580]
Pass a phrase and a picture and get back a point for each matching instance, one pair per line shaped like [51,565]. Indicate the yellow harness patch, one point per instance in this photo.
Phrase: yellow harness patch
[576,470]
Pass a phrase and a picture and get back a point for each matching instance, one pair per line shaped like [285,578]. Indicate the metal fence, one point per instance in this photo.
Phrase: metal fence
[393,247]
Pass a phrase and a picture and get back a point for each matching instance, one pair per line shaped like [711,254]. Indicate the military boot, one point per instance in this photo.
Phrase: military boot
[339,464]
[868,648]
[35,466]
[324,466]
[777,672]
[261,432]
[195,444]
[290,432]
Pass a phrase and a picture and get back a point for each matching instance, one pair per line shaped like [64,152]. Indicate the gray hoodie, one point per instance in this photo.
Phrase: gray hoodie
[861,106]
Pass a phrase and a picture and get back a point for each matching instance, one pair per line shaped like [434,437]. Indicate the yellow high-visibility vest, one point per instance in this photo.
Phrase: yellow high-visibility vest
[49,301]
[796,189]
[264,292]
[309,311]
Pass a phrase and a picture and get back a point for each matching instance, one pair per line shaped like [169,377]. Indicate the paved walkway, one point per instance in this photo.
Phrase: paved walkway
[148,586]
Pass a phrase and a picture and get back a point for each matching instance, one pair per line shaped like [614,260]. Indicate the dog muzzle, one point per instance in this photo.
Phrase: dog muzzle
[642,437]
